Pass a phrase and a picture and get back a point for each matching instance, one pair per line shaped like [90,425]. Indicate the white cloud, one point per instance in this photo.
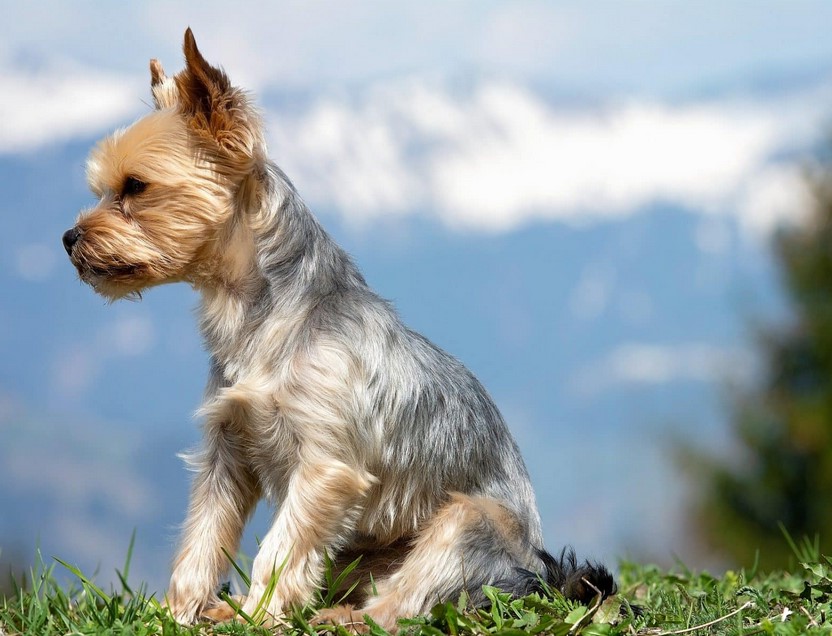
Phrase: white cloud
[352,160]
[500,156]
[634,364]
[62,102]
[773,194]
[532,162]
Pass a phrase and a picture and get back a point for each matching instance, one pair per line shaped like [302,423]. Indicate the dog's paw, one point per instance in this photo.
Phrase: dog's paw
[344,615]
[266,614]
[185,611]
[221,611]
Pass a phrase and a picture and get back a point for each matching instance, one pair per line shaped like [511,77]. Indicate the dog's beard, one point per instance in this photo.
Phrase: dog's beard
[114,282]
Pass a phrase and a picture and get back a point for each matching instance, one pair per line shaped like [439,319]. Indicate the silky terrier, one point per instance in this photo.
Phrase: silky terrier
[370,441]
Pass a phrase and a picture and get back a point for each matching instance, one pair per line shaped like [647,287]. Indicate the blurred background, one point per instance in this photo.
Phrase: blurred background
[616,214]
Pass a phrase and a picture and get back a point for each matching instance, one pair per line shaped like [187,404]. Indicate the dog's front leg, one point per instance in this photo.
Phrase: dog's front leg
[323,499]
[223,496]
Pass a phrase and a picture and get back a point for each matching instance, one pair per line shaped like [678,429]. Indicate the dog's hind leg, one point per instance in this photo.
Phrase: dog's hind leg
[470,542]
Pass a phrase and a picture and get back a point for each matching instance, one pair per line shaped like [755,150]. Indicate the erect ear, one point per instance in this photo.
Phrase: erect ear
[204,89]
[218,112]
[213,107]
[165,93]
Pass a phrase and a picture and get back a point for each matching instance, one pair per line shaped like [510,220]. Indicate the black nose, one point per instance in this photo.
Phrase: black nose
[70,238]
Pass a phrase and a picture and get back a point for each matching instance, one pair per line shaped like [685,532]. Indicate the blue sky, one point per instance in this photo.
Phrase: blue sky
[574,198]
[647,47]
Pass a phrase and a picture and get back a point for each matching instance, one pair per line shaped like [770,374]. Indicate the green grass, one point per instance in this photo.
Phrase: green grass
[651,602]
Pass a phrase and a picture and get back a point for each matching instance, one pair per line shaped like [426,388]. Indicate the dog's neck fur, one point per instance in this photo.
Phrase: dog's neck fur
[273,265]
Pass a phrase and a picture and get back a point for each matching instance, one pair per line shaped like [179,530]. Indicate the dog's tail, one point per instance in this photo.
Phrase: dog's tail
[582,582]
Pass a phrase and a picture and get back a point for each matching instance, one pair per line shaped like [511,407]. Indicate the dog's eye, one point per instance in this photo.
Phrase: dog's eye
[132,187]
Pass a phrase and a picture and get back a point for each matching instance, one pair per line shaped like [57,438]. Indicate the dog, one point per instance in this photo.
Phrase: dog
[369,439]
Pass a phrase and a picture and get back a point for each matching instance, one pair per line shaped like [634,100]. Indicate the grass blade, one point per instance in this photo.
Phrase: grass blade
[243,576]
[87,583]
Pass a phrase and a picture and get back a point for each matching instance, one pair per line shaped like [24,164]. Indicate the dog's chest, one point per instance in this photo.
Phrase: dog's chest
[243,398]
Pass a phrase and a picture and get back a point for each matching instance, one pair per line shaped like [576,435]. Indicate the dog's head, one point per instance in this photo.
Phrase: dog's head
[167,184]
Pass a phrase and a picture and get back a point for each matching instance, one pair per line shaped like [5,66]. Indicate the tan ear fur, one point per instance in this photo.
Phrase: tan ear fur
[157,73]
[163,88]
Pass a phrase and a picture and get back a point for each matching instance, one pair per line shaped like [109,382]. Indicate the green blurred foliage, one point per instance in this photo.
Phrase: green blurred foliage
[781,476]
